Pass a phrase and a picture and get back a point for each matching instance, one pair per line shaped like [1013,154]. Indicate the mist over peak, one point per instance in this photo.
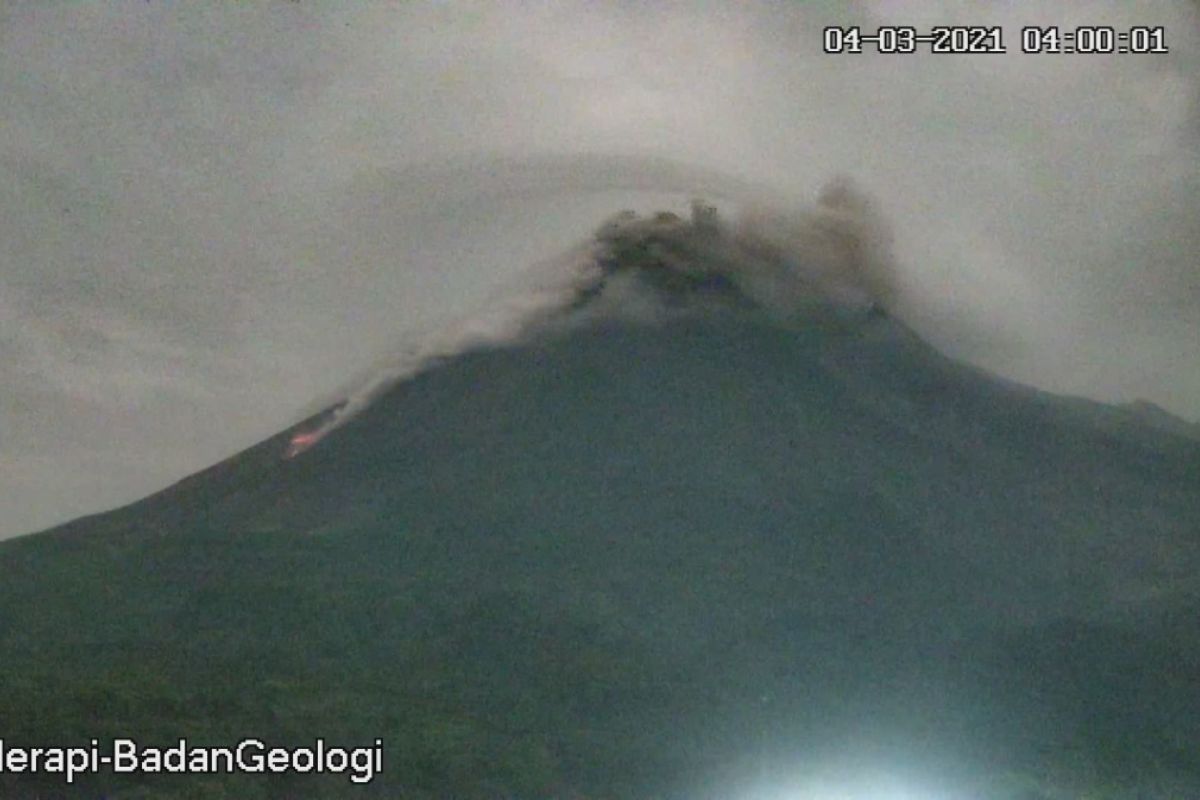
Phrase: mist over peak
[648,537]
[820,486]
[831,258]
[215,214]
[686,512]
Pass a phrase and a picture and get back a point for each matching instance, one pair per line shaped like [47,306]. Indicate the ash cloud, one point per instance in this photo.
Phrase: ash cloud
[213,213]
[834,253]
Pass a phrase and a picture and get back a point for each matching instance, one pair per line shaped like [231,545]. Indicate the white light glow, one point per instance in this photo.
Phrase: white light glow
[846,780]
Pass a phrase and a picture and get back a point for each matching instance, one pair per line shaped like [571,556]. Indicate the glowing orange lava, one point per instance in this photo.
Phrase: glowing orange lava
[301,442]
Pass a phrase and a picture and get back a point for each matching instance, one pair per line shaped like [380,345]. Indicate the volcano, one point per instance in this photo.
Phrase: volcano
[707,522]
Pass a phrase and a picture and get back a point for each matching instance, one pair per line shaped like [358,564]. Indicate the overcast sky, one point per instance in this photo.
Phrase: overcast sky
[213,213]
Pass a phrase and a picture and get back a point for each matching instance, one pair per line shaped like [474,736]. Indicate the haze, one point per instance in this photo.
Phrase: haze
[213,215]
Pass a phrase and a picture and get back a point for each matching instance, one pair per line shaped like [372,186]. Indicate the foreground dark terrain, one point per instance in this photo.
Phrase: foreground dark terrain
[711,555]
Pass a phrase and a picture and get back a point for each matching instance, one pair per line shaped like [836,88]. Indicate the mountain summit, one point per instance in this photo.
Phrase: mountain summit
[696,518]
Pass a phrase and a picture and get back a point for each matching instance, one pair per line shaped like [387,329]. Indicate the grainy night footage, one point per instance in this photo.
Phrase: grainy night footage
[605,401]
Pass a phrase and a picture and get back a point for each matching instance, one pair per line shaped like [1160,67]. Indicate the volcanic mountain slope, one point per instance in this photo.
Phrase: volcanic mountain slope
[669,543]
